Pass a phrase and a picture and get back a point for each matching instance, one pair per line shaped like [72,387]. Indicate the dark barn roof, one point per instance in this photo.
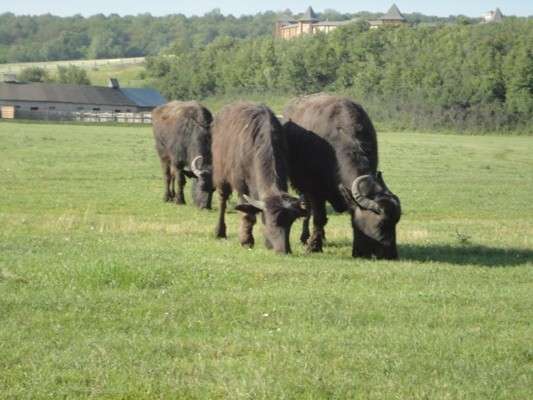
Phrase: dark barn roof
[144,97]
[79,94]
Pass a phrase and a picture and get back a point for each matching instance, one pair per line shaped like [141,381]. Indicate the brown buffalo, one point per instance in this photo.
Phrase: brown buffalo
[334,158]
[250,156]
[182,136]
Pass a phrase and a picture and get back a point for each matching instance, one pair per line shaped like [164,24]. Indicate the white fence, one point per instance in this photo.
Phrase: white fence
[17,67]
[101,117]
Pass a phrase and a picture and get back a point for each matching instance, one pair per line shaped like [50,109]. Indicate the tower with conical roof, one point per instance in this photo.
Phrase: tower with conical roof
[493,16]
[393,14]
[306,21]
[393,17]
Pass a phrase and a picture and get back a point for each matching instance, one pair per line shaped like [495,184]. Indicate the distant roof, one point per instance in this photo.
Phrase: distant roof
[79,94]
[309,15]
[393,14]
[335,23]
[144,97]
[286,18]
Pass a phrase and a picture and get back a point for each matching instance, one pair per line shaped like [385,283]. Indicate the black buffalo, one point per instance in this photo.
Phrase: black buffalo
[334,158]
[250,156]
[182,133]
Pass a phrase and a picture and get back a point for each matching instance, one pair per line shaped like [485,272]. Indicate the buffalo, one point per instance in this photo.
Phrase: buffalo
[250,156]
[182,133]
[333,155]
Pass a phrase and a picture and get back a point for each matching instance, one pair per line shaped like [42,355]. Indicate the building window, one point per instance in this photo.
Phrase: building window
[34,108]
[96,109]
[17,107]
[117,111]
[80,108]
[128,110]
[51,108]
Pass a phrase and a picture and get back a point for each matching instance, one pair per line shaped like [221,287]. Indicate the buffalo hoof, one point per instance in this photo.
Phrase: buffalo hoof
[314,249]
[220,232]
[180,200]
[314,245]
[304,238]
[248,244]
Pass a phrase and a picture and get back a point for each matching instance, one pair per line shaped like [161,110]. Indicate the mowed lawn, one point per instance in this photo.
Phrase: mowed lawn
[107,292]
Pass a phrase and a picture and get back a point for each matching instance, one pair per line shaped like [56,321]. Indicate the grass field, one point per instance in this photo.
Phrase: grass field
[107,292]
[127,75]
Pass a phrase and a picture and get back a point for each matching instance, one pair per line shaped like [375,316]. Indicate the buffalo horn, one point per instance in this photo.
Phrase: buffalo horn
[363,201]
[194,167]
[256,203]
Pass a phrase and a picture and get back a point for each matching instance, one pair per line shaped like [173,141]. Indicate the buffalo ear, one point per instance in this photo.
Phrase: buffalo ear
[247,208]
[188,174]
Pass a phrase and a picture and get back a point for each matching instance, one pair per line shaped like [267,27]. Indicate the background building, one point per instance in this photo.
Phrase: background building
[287,27]
[393,17]
[50,98]
[493,16]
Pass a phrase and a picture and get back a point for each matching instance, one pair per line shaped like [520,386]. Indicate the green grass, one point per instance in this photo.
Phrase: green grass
[107,292]
[127,75]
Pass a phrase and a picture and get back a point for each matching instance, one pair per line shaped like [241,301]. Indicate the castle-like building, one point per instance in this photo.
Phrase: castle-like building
[288,27]
[492,16]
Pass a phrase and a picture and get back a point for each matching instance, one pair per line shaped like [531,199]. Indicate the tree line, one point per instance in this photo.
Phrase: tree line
[68,75]
[462,76]
[49,38]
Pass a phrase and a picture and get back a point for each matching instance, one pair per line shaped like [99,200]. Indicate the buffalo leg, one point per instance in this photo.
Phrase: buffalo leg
[362,245]
[220,230]
[246,230]
[180,196]
[315,242]
[167,177]
[304,237]
[173,187]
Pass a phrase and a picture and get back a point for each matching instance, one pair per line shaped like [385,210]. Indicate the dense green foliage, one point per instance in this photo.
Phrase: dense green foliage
[69,74]
[48,37]
[72,74]
[452,76]
[34,74]
[106,292]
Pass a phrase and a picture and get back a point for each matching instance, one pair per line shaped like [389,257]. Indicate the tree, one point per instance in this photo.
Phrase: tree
[34,74]
[72,75]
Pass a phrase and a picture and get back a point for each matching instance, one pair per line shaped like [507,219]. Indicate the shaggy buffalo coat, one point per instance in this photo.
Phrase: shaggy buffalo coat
[332,142]
[182,133]
[250,156]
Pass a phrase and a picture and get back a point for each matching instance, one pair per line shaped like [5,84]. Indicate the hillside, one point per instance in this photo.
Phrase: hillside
[47,37]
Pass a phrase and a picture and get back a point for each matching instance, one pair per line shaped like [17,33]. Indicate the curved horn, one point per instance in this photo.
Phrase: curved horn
[256,203]
[363,201]
[194,166]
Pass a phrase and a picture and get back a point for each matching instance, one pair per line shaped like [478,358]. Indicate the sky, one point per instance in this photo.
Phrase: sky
[472,8]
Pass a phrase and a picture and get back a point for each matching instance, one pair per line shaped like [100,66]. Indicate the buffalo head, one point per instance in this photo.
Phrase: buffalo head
[279,213]
[202,183]
[377,211]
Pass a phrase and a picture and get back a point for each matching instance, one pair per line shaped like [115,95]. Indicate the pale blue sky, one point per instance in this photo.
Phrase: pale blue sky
[473,8]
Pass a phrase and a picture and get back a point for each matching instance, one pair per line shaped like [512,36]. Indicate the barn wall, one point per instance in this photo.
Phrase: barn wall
[66,107]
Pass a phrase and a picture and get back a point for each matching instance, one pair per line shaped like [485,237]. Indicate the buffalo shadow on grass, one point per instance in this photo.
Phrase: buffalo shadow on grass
[470,254]
[478,255]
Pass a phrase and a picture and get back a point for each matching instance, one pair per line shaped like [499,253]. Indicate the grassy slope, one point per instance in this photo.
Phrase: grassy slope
[127,75]
[107,292]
